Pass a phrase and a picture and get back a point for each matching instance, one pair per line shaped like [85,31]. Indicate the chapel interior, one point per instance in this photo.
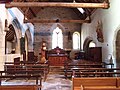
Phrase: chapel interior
[59,45]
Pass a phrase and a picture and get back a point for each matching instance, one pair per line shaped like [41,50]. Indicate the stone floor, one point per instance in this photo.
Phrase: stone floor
[54,81]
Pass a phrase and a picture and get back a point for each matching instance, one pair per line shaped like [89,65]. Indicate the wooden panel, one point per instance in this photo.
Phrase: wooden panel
[68,5]
[20,87]
[17,60]
[95,54]
[118,82]
[31,56]
[57,60]
[94,82]
[101,88]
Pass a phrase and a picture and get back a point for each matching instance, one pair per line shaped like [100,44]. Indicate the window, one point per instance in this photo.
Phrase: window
[76,40]
[92,44]
[81,10]
[57,38]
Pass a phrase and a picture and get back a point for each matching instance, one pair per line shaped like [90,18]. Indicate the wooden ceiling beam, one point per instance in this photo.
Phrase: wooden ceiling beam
[54,4]
[56,21]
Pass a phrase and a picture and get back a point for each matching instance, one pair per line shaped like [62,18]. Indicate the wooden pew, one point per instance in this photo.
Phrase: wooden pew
[37,77]
[26,62]
[100,88]
[18,87]
[42,69]
[99,82]
[68,65]
[98,74]
[95,69]
[118,83]
[95,72]
[68,68]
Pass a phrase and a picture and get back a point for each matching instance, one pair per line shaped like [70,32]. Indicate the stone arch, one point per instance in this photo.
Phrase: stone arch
[18,33]
[13,36]
[86,45]
[28,40]
[116,47]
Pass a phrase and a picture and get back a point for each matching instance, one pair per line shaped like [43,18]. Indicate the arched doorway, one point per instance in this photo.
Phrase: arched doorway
[28,43]
[117,42]
[86,46]
[10,41]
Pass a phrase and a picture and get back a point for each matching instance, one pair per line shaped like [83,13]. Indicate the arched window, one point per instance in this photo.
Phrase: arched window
[76,40]
[92,44]
[57,38]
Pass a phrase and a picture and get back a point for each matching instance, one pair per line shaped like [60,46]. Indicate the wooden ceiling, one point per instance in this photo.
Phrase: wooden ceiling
[31,11]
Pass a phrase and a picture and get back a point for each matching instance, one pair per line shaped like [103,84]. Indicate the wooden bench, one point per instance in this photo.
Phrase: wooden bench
[95,72]
[68,70]
[37,77]
[77,64]
[99,82]
[42,69]
[100,88]
[18,87]
[118,82]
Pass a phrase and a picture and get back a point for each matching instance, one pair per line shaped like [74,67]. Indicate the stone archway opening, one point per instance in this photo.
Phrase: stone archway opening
[10,41]
[118,48]
[86,46]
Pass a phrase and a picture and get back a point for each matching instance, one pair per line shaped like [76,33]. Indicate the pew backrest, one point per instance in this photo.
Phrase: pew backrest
[94,82]
[18,87]
[101,88]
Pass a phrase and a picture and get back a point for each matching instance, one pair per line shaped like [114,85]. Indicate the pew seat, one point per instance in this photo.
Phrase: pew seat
[18,87]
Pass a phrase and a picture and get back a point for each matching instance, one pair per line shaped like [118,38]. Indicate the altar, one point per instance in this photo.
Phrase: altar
[57,57]
[57,60]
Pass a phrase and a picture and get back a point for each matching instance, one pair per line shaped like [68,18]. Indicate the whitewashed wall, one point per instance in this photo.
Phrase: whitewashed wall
[111,21]
[5,14]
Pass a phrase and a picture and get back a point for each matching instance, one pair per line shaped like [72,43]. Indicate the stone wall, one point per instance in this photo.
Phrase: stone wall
[44,30]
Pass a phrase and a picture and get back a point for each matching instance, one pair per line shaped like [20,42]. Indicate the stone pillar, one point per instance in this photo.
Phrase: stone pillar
[2,51]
